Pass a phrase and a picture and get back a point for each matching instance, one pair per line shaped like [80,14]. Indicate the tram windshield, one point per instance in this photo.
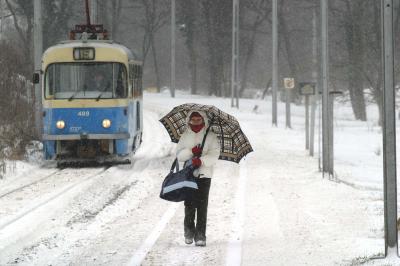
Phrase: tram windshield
[86,81]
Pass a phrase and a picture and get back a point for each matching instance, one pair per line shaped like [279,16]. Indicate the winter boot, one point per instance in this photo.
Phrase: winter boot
[189,225]
[200,243]
[188,240]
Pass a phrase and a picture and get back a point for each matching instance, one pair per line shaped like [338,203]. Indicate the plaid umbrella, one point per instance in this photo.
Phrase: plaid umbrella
[234,143]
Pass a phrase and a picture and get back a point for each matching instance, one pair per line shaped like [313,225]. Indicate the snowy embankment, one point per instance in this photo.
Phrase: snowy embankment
[272,209]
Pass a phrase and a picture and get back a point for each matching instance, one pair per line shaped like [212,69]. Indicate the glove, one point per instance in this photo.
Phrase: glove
[196,162]
[196,150]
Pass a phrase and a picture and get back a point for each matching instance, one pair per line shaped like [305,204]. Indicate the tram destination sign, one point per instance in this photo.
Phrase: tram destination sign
[84,53]
[307,88]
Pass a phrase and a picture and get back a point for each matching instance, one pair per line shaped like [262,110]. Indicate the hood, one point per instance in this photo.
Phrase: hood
[203,114]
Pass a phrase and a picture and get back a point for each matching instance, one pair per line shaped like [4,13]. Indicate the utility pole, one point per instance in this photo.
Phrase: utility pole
[274,62]
[314,97]
[235,55]
[173,29]
[38,50]
[327,121]
[288,93]
[389,130]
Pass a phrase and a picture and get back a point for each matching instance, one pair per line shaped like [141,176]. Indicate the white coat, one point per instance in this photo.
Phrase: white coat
[211,149]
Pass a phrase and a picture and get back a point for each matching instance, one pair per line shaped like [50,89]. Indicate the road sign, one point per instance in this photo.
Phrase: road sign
[288,83]
[307,88]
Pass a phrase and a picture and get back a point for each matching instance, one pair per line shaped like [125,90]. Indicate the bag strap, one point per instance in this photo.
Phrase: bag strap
[175,164]
[205,136]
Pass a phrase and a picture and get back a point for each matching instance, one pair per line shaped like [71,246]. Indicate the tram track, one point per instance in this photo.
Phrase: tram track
[48,200]
[30,184]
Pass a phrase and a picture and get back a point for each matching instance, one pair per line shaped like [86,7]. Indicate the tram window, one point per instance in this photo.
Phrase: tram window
[137,115]
[120,81]
[51,83]
[98,79]
[130,85]
[86,81]
[140,70]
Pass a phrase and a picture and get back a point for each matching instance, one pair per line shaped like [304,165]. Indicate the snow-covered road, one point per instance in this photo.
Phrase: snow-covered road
[272,209]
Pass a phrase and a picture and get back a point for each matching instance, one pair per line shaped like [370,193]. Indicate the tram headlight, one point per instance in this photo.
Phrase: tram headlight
[60,124]
[106,123]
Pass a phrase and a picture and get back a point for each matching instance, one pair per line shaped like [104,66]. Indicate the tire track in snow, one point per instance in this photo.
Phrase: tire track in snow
[170,248]
[67,241]
[263,236]
[148,244]
[154,152]
[48,200]
[234,250]
[89,214]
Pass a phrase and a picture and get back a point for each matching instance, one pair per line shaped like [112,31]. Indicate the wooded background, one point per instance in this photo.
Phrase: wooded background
[204,36]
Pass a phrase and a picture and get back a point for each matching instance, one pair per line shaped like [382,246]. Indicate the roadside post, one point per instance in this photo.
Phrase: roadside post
[275,62]
[289,86]
[315,97]
[235,55]
[38,50]
[314,102]
[327,110]
[173,63]
[389,130]
[307,89]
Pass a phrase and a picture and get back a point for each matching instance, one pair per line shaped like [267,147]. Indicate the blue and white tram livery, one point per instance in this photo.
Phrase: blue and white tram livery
[92,101]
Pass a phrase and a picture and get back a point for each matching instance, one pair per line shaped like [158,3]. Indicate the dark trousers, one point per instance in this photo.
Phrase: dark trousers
[199,203]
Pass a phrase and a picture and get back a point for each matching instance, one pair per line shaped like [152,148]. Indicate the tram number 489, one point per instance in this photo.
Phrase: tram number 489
[84,113]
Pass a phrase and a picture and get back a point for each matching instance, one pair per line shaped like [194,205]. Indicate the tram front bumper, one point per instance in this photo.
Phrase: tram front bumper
[86,136]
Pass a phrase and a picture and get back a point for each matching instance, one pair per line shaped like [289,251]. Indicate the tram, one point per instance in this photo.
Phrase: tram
[92,98]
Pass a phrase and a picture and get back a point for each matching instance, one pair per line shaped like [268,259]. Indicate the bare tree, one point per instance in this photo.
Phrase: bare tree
[22,12]
[217,17]
[358,51]
[15,104]
[57,15]
[155,14]
[110,13]
[188,20]
[255,14]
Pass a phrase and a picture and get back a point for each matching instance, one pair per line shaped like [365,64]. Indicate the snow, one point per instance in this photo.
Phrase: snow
[234,251]
[274,208]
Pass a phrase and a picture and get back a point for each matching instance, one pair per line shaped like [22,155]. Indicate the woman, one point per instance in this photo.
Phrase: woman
[203,160]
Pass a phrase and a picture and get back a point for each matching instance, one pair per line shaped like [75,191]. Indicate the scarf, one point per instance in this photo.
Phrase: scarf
[197,128]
